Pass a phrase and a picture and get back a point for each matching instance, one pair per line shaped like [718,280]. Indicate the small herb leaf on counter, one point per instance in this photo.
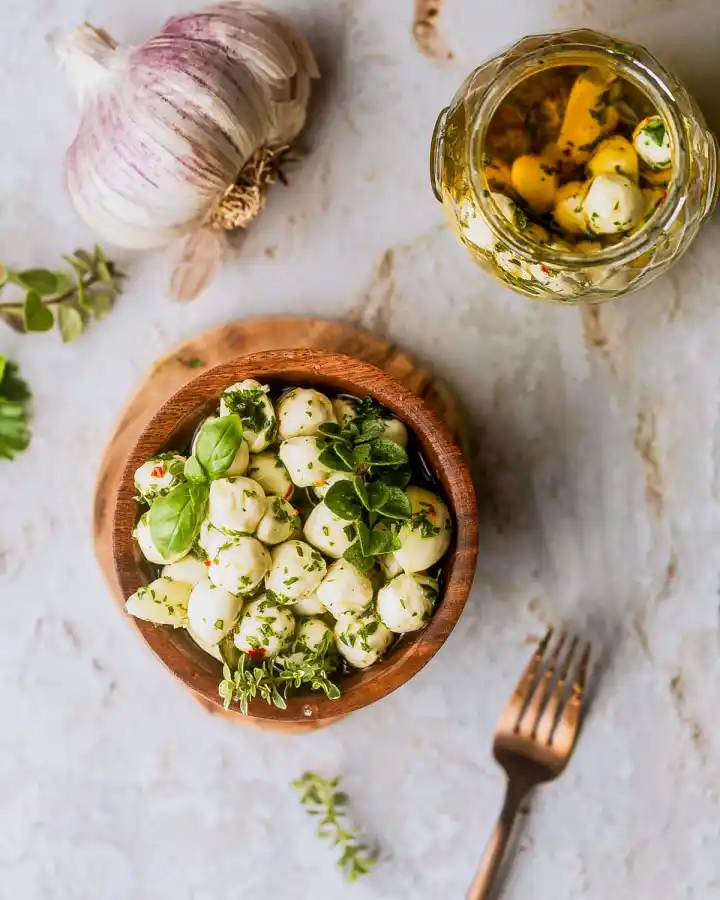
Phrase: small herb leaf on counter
[14,394]
[36,316]
[193,471]
[175,519]
[70,322]
[218,442]
[342,500]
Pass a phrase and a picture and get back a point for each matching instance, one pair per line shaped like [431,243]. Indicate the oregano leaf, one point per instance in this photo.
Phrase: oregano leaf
[330,458]
[396,503]
[70,322]
[36,315]
[342,500]
[384,452]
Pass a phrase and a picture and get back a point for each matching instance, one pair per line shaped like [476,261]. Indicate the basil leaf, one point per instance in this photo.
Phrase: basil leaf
[330,430]
[175,519]
[387,453]
[357,558]
[36,315]
[342,500]
[194,471]
[329,458]
[399,477]
[396,503]
[217,444]
[361,491]
[361,454]
[383,542]
[370,430]
[377,494]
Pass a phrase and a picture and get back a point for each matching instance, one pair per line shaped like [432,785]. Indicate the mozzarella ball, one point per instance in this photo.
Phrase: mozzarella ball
[651,141]
[309,605]
[249,399]
[270,473]
[322,489]
[302,411]
[240,567]
[613,205]
[210,649]
[212,612]
[396,431]
[652,198]
[406,603]
[568,209]
[558,280]
[240,463]
[475,229]
[301,456]
[328,532]
[534,178]
[147,544]
[588,247]
[236,504]
[190,569]
[345,409]
[279,522]
[361,639]
[163,602]
[389,566]
[211,539]
[197,433]
[158,475]
[265,625]
[311,636]
[345,589]
[426,536]
[296,570]
[614,154]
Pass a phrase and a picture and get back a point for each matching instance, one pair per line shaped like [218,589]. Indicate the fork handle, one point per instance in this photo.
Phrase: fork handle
[490,865]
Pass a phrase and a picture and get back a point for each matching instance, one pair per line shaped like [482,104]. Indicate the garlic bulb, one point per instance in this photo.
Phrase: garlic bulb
[182,134]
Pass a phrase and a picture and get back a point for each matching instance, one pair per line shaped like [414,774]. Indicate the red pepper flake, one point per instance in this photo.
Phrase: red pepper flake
[257,653]
[208,563]
[158,472]
[545,270]
[288,493]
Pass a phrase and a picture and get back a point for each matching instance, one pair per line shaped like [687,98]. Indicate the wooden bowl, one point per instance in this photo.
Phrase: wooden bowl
[173,426]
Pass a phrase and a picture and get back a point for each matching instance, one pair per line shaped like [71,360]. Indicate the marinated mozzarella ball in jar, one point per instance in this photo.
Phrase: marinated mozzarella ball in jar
[301,456]
[313,636]
[147,544]
[568,210]
[212,612]
[236,504]
[309,605]
[614,155]
[651,141]
[278,523]
[249,400]
[424,539]
[361,639]
[270,473]
[190,569]
[240,567]
[613,205]
[296,570]
[162,602]
[406,603]
[302,411]
[211,539]
[265,626]
[158,475]
[328,532]
[345,589]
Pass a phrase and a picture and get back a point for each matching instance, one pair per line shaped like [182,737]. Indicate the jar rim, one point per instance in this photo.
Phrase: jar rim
[652,85]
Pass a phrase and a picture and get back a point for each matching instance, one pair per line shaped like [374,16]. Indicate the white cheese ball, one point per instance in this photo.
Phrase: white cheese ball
[190,569]
[210,649]
[301,456]
[270,473]
[193,446]
[158,475]
[311,635]
[236,504]
[240,462]
[362,639]
[211,539]
[406,603]
[278,523]
[389,566]
[302,411]
[345,409]
[212,612]
[322,489]
[613,205]
[426,536]
[147,544]
[265,625]
[309,605]
[240,566]
[296,571]
[396,431]
[249,399]
[328,532]
[345,589]
[162,602]
[651,141]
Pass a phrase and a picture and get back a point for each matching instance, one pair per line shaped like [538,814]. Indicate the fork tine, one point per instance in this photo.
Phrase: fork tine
[568,719]
[512,713]
[546,724]
[534,709]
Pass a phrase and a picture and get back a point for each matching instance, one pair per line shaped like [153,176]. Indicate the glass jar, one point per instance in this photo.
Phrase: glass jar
[513,252]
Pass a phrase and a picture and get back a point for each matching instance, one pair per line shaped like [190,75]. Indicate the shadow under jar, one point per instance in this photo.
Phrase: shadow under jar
[512,124]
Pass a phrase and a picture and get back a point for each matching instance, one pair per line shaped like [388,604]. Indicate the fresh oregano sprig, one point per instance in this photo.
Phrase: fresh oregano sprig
[322,797]
[244,684]
[53,297]
[14,395]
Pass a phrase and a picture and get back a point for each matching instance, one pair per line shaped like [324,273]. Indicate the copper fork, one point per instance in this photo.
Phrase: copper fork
[535,737]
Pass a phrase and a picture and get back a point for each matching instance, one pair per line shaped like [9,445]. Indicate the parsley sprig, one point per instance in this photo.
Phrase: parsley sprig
[58,298]
[321,797]
[14,395]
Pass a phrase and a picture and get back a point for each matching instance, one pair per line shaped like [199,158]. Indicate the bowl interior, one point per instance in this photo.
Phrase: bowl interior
[173,426]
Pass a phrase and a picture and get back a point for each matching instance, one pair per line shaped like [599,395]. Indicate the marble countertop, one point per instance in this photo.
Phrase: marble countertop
[597,460]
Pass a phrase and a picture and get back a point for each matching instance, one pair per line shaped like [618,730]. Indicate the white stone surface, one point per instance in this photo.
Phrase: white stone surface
[598,466]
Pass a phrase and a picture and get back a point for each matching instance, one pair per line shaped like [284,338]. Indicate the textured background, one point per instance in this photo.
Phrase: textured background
[597,455]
